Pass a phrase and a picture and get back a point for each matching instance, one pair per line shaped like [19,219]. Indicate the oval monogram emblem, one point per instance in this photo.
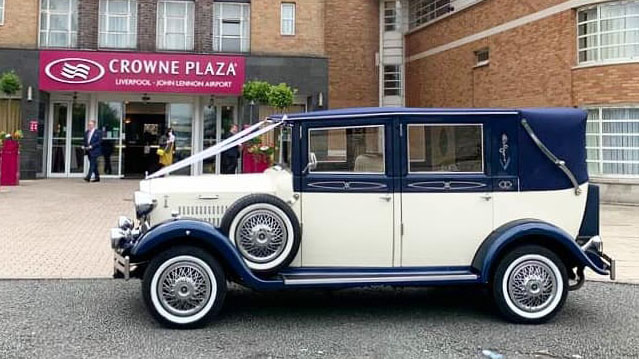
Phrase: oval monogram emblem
[505,184]
[74,71]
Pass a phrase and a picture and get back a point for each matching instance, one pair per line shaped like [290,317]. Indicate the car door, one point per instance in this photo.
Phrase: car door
[347,198]
[446,195]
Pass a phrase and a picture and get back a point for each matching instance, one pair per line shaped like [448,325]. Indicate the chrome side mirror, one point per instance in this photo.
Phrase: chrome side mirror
[312,163]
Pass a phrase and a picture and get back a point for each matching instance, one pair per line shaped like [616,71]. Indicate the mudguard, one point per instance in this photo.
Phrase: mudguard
[521,231]
[176,232]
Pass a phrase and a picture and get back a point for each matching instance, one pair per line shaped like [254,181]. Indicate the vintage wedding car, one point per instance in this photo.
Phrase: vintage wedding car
[377,196]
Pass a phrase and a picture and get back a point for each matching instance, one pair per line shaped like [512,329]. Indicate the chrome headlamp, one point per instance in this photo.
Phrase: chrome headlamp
[144,204]
[125,223]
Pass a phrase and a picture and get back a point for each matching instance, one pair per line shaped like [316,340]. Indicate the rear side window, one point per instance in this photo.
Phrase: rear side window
[348,149]
[445,148]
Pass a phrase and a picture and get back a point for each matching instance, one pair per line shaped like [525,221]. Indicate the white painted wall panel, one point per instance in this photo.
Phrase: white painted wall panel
[347,229]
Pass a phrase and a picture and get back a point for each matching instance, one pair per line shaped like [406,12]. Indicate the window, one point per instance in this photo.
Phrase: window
[445,148]
[392,80]
[231,27]
[288,18]
[1,12]
[608,32]
[348,149]
[423,11]
[390,16]
[612,141]
[118,23]
[58,23]
[482,57]
[175,25]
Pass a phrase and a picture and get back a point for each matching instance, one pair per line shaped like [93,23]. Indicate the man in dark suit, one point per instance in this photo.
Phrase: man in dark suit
[93,149]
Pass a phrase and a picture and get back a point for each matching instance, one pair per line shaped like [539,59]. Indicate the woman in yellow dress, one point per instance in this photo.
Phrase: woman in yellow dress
[166,155]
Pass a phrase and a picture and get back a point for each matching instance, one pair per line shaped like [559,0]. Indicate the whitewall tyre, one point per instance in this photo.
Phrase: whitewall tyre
[184,287]
[530,285]
[265,231]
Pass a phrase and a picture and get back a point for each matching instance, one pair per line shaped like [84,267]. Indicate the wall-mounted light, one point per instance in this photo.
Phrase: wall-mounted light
[29,93]
[211,101]
[145,98]
[75,97]
[320,99]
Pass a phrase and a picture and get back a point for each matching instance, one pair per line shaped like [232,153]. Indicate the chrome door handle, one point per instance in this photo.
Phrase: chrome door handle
[386,197]
[487,197]
[208,198]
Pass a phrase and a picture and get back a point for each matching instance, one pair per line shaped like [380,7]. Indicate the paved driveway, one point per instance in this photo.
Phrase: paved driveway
[59,228]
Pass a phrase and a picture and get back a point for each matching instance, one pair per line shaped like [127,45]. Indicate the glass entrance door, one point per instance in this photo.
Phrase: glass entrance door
[68,123]
[217,125]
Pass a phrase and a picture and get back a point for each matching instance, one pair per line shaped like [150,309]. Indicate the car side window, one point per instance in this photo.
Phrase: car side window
[443,148]
[357,149]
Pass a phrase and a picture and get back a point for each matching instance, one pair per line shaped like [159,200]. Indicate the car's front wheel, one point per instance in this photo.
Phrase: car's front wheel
[530,285]
[184,287]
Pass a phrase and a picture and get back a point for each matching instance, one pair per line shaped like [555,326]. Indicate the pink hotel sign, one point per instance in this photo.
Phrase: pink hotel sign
[141,72]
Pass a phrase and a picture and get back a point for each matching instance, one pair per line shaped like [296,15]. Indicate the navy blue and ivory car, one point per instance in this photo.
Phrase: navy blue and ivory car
[376,196]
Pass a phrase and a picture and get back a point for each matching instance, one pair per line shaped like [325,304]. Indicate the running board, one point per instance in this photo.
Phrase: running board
[376,279]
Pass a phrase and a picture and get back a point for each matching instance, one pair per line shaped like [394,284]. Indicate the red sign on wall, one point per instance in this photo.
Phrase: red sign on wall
[141,72]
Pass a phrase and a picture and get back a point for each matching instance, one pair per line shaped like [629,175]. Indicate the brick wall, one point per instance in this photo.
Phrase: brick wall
[147,22]
[613,84]
[20,29]
[309,28]
[530,65]
[204,25]
[88,18]
[483,16]
[352,40]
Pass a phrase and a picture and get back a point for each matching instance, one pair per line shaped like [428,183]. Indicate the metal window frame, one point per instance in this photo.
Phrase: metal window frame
[598,34]
[72,35]
[2,12]
[291,19]
[131,32]
[162,34]
[218,35]
[600,148]
[398,84]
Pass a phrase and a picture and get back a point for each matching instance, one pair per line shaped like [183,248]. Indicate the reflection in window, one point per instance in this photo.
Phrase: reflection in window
[350,149]
[445,148]
[181,120]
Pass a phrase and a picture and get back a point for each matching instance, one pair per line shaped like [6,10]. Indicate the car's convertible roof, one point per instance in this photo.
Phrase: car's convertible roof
[386,111]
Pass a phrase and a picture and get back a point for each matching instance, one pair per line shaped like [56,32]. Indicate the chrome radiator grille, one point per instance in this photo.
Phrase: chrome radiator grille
[211,214]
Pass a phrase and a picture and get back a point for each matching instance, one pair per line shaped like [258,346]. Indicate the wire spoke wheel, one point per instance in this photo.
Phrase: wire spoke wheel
[184,288]
[261,235]
[532,286]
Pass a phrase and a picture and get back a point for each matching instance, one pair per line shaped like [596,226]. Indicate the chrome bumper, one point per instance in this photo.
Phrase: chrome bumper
[594,246]
[121,266]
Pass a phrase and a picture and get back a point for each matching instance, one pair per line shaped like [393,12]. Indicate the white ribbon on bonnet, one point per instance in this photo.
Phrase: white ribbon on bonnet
[235,140]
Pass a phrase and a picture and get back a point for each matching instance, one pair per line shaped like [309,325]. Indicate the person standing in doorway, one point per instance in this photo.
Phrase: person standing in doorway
[93,149]
[166,159]
[230,156]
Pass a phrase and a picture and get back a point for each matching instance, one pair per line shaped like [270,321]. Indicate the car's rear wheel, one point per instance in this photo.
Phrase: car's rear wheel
[184,287]
[265,231]
[530,285]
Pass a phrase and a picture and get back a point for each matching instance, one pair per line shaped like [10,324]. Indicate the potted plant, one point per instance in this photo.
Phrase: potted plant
[10,85]
[10,157]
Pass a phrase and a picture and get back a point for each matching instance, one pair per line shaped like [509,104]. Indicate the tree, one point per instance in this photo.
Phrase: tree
[257,91]
[10,85]
[281,96]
